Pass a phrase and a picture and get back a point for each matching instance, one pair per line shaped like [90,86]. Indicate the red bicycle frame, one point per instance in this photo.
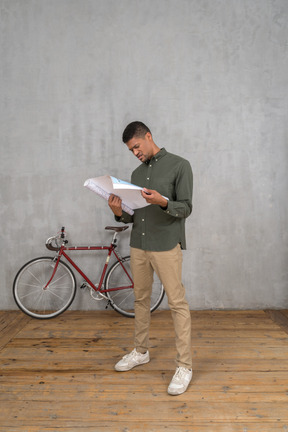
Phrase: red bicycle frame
[111,248]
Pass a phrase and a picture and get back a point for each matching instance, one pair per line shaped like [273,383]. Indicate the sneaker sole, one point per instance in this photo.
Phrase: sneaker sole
[176,394]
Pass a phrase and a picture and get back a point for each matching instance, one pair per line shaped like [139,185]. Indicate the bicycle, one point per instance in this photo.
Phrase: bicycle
[46,286]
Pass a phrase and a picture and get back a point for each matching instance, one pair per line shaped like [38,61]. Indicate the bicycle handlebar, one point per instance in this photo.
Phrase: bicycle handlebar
[49,245]
[56,239]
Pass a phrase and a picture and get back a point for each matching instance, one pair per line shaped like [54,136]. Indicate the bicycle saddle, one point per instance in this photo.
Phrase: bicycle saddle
[117,229]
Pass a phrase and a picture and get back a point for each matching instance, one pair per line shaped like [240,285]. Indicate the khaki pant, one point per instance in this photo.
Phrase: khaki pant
[168,267]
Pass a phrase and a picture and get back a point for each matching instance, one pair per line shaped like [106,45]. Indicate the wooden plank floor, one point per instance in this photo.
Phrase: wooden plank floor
[58,375]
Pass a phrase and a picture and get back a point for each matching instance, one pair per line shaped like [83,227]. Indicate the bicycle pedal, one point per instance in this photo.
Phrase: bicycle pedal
[84,285]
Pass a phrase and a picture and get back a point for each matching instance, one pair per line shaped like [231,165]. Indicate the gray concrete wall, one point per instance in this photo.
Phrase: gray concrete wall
[210,79]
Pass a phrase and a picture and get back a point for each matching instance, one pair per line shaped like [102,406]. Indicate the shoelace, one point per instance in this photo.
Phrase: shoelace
[132,354]
[180,373]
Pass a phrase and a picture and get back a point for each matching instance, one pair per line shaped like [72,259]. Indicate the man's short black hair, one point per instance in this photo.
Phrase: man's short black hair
[134,129]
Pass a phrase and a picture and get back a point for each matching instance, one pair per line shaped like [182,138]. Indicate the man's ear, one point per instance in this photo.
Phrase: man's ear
[148,136]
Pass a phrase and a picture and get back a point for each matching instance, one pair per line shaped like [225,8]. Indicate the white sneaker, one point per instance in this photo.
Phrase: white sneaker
[180,381]
[129,361]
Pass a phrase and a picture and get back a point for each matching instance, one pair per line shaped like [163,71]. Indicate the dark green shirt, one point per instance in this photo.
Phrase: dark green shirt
[155,228]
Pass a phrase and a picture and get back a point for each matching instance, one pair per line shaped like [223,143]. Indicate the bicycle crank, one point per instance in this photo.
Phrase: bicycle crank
[96,295]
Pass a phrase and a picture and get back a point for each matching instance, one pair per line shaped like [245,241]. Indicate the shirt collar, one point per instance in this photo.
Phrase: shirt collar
[158,155]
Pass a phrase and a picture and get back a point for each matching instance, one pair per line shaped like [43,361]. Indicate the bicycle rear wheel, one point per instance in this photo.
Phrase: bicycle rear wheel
[119,286]
[30,293]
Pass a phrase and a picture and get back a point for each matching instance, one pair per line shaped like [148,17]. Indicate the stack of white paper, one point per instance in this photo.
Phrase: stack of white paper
[129,193]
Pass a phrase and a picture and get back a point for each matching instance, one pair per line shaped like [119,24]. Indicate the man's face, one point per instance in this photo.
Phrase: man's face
[141,147]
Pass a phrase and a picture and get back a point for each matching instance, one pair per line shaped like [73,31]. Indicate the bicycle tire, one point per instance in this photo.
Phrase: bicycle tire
[122,300]
[30,280]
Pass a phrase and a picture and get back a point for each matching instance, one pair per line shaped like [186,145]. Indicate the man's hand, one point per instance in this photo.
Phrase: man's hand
[154,197]
[115,205]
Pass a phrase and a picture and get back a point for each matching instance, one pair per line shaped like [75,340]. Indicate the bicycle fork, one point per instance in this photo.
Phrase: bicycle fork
[56,261]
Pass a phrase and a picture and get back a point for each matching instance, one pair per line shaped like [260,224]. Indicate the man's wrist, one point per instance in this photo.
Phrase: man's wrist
[165,206]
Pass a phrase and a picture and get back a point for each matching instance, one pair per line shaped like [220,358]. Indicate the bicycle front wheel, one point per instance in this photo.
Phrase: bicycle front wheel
[119,289]
[36,299]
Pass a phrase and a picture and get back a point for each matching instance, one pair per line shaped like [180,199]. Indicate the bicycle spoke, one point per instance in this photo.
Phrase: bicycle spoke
[34,276]
[30,293]
[61,277]
[125,298]
[39,298]
[55,295]
[29,285]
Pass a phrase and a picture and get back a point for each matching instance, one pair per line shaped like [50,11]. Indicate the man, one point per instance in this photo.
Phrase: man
[158,234]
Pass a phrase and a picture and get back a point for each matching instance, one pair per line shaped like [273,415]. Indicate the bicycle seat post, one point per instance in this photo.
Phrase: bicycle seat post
[114,239]
[116,230]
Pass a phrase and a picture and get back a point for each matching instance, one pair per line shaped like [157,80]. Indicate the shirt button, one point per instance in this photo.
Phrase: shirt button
[147,178]
[150,166]
[143,233]
[176,214]
[143,220]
